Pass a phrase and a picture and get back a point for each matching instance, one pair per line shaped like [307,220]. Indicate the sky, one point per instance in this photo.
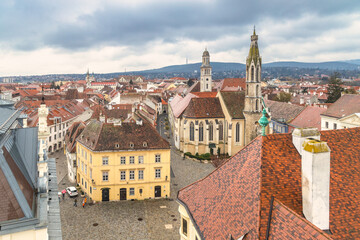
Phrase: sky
[70,36]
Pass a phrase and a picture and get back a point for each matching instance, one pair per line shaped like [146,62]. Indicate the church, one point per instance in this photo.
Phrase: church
[218,122]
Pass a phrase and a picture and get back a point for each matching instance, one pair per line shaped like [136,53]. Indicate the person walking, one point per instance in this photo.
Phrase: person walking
[75,202]
[63,195]
[83,203]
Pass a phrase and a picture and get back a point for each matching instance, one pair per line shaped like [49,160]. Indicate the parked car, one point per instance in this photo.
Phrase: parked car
[72,191]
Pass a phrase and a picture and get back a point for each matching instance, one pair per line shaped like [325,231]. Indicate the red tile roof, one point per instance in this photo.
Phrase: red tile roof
[309,117]
[205,94]
[233,84]
[344,106]
[235,198]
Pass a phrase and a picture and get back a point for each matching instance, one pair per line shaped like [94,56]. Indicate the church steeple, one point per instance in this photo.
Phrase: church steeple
[205,73]
[253,106]
[253,77]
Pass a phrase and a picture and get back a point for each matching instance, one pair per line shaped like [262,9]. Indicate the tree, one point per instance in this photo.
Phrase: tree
[350,91]
[131,81]
[52,86]
[283,97]
[334,88]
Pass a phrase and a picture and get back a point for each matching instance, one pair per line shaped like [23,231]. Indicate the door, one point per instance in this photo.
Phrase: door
[157,191]
[105,194]
[122,193]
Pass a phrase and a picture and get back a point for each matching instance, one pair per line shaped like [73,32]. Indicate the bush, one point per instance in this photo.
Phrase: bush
[205,156]
[188,154]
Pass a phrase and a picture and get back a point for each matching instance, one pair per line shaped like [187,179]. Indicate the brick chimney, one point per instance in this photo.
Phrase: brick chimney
[315,179]
[299,135]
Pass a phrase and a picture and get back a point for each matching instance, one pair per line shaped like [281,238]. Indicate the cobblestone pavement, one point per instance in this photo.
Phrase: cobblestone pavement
[148,219]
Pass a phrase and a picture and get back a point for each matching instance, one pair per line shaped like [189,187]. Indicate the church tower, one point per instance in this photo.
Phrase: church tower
[205,73]
[253,104]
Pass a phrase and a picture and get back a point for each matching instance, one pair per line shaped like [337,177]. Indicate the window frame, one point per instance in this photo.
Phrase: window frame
[105,160]
[105,176]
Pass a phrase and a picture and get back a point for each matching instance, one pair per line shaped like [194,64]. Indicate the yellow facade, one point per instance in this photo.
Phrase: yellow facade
[146,178]
[33,234]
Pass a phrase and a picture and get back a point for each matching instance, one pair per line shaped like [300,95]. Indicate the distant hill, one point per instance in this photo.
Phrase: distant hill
[354,61]
[195,67]
[338,65]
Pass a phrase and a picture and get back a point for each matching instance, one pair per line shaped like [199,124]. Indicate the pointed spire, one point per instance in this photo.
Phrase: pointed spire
[254,31]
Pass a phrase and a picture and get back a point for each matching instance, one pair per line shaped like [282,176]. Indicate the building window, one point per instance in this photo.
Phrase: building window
[82,166]
[90,158]
[82,152]
[78,162]
[90,190]
[184,227]
[82,181]
[105,176]
[132,160]
[59,135]
[191,131]
[50,130]
[257,90]
[252,73]
[74,163]
[122,175]
[157,158]
[55,137]
[141,159]
[327,124]
[335,126]
[85,155]
[211,131]
[50,139]
[221,131]
[59,126]
[105,161]
[201,132]
[122,160]
[141,174]
[85,169]
[132,175]
[237,132]
[85,185]
[157,173]
[55,128]
[132,192]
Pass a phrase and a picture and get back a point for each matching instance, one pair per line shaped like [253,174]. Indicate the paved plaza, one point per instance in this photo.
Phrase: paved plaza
[148,219]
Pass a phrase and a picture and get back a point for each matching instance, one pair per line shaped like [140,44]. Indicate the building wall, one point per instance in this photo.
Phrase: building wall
[191,231]
[87,159]
[35,234]
[329,123]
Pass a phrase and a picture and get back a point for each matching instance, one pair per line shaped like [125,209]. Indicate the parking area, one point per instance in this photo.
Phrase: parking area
[148,219]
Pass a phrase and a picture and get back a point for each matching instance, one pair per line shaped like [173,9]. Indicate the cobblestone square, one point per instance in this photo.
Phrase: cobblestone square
[148,219]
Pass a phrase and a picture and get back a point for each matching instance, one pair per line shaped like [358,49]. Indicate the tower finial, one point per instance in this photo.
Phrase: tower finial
[263,121]
[254,31]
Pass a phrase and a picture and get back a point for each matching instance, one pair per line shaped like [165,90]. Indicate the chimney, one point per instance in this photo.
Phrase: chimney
[302,100]
[139,122]
[315,180]
[299,135]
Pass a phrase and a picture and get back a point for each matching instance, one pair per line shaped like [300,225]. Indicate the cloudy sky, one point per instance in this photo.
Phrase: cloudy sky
[70,36]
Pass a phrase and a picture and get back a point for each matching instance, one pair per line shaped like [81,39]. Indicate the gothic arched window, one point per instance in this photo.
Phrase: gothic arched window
[257,74]
[237,132]
[247,89]
[257,90]
[252,73]
[191,131]
[221,131]
[211,131]
[201,132]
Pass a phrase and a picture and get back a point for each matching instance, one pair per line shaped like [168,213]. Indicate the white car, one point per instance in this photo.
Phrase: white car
[72,191]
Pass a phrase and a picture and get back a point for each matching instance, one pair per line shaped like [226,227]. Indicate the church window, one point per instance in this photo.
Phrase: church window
[252,73]
[257,74]
[247,89]
[257,90]
[191,131]
[237,132]
[221,131]
[201,132]
[207,86]
[211,131]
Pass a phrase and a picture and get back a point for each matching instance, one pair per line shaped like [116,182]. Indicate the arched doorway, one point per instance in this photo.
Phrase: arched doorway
[157,191]
[105,194]
[55,147]
[50,149]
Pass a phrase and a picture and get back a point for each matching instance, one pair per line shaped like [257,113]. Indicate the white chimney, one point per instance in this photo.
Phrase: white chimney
[315,180]
[302,100]
[299,135]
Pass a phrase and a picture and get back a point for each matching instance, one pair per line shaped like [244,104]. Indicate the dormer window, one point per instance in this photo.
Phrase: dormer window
[117,145]
[131,145]
[144,144]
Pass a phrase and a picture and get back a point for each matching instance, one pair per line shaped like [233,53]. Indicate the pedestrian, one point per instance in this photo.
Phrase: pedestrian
[75,202]
[63,195]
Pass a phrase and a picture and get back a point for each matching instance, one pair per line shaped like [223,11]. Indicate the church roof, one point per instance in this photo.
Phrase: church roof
[344,106]
[234,102]
[204,108]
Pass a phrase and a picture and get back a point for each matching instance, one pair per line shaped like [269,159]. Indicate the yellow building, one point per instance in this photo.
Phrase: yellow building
[123,161]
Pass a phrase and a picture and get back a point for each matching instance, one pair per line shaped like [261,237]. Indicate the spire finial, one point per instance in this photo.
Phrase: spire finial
[263,121]
[254,31]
